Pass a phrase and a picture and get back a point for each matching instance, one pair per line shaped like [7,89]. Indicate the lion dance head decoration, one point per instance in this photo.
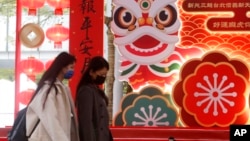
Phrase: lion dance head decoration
[146,32]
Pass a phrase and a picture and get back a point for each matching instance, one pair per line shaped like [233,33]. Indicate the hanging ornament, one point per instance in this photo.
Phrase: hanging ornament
[31,35]
[31,67]
[32,5]
[59,5]
[57,33]
[25,96]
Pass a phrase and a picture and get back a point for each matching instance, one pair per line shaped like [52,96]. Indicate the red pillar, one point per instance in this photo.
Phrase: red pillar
[17,54]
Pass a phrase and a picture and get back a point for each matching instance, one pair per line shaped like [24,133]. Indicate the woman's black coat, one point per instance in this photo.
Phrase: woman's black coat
[92,114]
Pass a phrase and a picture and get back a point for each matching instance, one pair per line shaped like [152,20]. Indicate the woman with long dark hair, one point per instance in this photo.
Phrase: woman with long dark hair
[91,102]
[52,104]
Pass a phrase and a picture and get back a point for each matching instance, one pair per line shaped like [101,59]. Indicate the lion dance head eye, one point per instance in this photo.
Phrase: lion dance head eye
[166,17]
[145,5]
[124,18]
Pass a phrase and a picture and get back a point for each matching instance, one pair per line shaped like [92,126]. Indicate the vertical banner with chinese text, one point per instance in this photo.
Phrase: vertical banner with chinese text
[86,34]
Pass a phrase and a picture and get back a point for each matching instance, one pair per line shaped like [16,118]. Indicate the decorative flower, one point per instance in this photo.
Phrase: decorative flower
[149,107]
[146,111]
[213,91]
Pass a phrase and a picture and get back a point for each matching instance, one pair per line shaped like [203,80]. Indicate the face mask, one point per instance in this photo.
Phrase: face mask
[99,80]
[68,74]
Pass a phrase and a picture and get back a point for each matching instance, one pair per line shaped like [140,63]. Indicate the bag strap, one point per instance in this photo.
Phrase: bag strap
[34,128]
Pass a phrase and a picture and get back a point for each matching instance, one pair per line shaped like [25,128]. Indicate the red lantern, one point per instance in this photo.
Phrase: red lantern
[59,5]
[31,67]
[57,33]
[32,5]
[25,96]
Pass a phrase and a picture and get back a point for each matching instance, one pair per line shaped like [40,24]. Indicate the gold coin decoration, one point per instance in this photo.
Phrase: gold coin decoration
[32,35]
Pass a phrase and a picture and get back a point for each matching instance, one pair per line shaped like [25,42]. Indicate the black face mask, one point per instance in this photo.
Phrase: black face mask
[99,80]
